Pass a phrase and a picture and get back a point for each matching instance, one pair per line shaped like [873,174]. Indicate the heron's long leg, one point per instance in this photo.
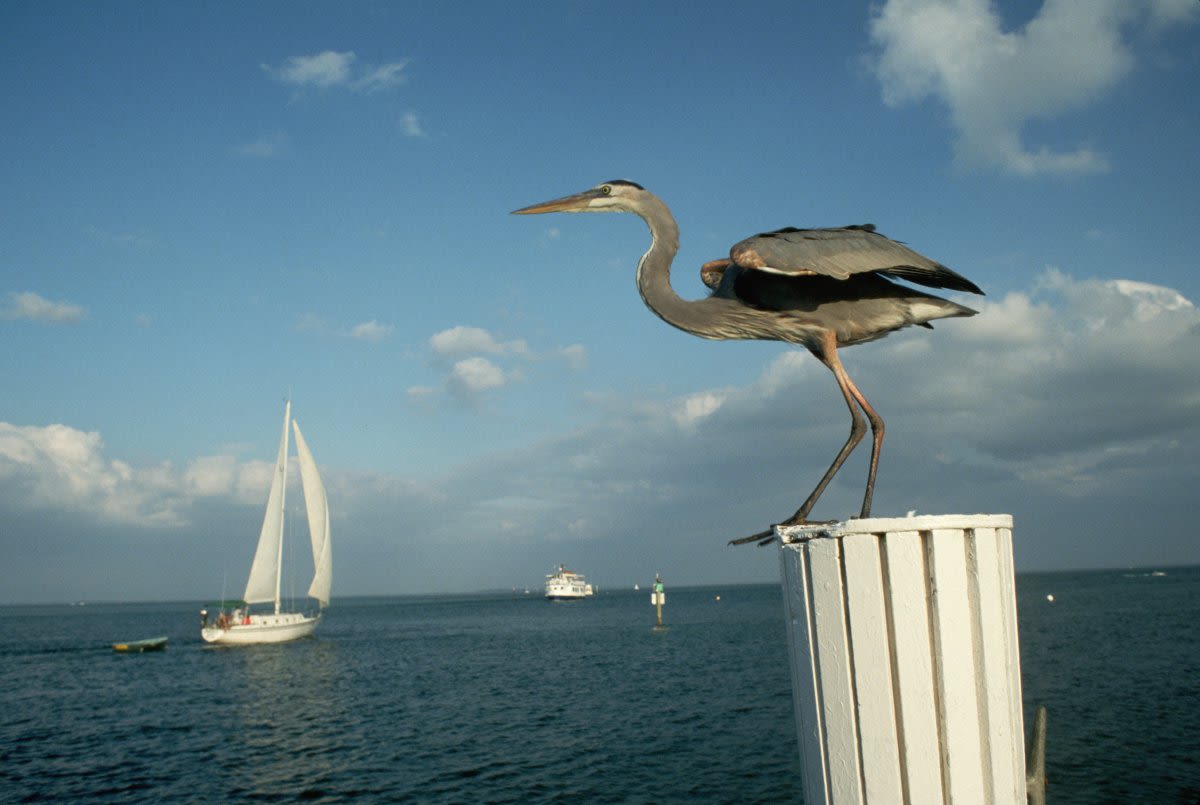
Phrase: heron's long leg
[849,391]
[828,355]
[876,446]
[854,398]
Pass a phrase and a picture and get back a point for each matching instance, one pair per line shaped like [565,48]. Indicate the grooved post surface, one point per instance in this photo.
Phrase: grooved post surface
[902,636]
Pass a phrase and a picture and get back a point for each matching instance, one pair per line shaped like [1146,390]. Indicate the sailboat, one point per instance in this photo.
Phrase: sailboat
[240,626]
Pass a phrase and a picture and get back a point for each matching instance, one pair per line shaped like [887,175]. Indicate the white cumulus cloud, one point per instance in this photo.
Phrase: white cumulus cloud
[57,466]
[995,80]
[476,361]
[695,408]
[61,468]
[462,340]
[474,375]
[224,476]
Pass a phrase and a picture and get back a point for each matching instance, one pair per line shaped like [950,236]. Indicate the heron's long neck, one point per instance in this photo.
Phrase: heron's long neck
[654,269]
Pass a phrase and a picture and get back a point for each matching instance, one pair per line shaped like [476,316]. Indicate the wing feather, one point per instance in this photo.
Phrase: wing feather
[842,252]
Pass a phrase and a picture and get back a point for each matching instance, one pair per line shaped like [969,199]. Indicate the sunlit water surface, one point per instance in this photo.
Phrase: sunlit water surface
[509,698]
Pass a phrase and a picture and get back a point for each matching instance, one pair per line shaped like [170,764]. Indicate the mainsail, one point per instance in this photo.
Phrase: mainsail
[318,521]
[263,584]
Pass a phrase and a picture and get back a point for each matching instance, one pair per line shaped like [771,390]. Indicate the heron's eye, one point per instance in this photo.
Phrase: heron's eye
[606,190]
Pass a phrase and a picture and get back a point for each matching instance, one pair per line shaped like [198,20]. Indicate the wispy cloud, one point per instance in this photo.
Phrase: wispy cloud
[265,147]
[332,69]
[326,69]
[410,124]
[995,81]
[575,356]
[371,331]
[124,239]
[312,323]
[32,307]
[379,78]
[420,393]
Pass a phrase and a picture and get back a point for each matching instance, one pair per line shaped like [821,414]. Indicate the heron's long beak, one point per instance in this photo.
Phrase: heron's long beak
[576,203]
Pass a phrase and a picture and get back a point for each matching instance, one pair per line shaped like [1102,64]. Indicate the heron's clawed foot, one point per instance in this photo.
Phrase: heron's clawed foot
[768,536]
[805,521]
[762,538]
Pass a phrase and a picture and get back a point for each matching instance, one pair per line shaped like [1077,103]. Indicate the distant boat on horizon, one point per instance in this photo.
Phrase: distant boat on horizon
[235,624]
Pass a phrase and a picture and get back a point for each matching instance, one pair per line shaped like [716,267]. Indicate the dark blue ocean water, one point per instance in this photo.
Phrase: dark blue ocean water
[1116,660]
[513,699]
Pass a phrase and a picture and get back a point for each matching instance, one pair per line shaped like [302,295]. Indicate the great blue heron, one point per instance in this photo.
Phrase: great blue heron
[819,288]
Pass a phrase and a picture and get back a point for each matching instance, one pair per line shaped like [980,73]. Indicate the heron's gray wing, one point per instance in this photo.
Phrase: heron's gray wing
[842,252]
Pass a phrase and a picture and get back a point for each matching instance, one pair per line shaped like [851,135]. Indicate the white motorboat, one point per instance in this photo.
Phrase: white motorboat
[565,585]
[240,626]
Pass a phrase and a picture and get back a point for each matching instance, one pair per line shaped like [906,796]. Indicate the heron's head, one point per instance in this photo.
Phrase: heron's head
[618,195]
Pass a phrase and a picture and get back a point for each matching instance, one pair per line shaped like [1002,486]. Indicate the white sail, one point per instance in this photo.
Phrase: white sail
[317,506]
[263,584]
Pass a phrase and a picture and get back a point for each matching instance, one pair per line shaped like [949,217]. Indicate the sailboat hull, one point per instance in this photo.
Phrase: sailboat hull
[281,628]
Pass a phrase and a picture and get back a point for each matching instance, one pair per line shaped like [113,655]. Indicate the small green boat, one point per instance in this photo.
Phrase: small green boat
[149,644]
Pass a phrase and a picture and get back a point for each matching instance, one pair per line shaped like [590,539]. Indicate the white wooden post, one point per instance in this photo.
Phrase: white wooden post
[906,675]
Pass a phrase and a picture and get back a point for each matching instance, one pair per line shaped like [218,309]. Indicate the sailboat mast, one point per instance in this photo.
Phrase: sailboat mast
[287,417]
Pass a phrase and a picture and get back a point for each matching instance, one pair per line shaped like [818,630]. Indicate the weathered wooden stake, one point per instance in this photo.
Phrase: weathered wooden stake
[905,666]
[1035,777]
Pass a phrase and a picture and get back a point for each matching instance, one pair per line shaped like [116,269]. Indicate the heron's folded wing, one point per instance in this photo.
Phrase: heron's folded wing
[842,252]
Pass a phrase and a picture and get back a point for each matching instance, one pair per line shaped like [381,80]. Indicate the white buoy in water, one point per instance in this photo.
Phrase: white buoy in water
[1050,598]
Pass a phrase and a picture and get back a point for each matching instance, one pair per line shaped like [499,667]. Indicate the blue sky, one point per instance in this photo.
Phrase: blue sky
[207,208]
